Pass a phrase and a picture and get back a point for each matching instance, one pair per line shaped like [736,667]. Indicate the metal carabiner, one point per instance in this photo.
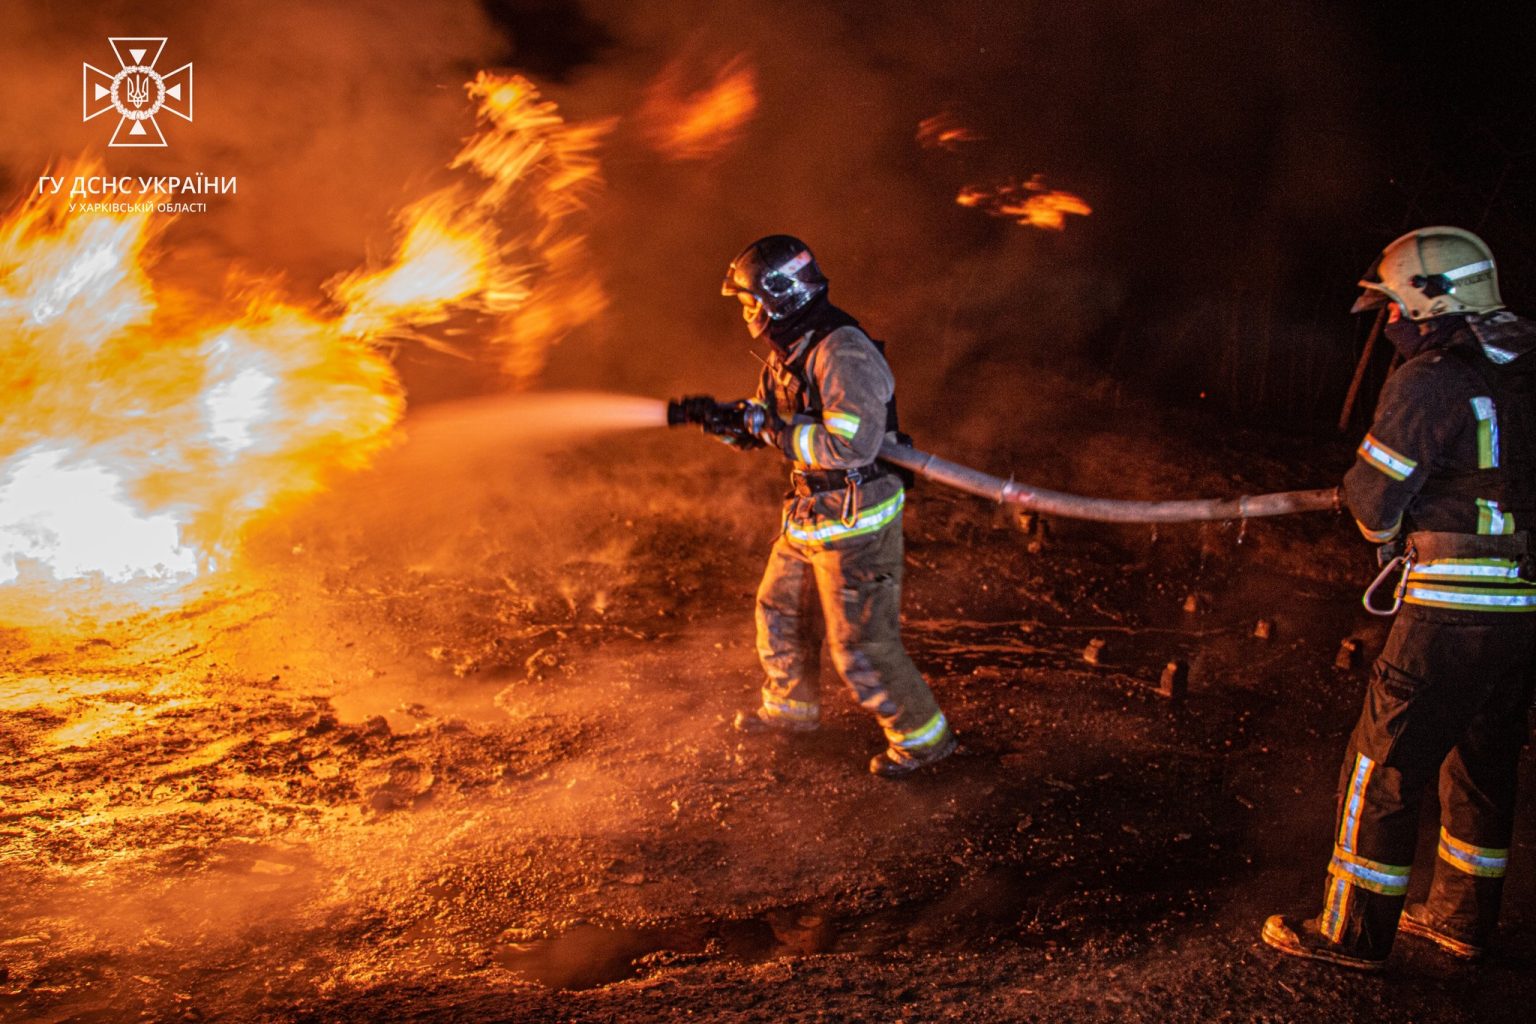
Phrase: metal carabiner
[1405,561]
[849,516]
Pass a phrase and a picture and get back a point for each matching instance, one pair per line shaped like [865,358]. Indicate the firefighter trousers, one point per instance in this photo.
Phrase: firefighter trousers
[847,593]
[1449,696]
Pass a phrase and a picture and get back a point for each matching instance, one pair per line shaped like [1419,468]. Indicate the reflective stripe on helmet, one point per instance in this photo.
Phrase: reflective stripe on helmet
[1457,273]
[797,264]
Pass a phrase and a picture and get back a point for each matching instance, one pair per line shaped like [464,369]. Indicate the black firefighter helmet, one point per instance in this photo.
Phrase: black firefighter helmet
[773,278]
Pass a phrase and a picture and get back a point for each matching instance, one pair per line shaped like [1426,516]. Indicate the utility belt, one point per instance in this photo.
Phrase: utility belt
[1432,546]
[808,483]
[1458,570]
[811,482]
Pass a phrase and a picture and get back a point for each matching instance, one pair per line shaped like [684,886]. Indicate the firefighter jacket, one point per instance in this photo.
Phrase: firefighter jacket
[834,393]
[1450,461]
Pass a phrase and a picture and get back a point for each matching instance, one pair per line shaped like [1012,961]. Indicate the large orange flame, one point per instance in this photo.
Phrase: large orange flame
[505,245]
[1030,203]
[702,123]
[142,431]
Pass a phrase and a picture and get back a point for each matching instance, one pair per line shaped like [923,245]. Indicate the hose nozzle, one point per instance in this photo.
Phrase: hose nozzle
[737,423]
[699,410]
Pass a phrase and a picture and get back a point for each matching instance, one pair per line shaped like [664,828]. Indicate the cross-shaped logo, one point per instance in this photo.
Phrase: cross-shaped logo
[138,92]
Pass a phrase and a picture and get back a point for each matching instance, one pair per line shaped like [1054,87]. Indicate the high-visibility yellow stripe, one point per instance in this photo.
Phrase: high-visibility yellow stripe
[843,424]
[1492,520]
[1336,909]
[869,520]
[1387,879]
[804,442]
[1380,536]
[1487,432]
[1498,568]
[926,735]
[1349,826]
[1483,861]
[1394,464]
[1485,599]
[793,710]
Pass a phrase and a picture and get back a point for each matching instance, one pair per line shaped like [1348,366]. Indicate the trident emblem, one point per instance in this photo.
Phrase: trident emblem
[137,91]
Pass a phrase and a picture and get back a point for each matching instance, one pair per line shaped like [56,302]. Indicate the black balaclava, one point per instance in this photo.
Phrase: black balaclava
[817,315]
[1437,332]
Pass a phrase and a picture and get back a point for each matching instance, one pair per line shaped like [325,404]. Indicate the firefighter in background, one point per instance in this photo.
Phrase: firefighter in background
[826,401]
[1448,471]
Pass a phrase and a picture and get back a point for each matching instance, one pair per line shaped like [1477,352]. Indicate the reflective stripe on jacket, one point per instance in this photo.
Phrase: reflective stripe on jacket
[1447,454]
[833,398]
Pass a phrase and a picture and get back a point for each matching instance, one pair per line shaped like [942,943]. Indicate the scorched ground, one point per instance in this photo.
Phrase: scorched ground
[457,748]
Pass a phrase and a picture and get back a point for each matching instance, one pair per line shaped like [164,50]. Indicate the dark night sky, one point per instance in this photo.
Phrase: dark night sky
[1245,161]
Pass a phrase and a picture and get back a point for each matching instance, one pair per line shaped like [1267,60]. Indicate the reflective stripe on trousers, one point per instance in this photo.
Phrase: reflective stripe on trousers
[1448,699]
[847,595]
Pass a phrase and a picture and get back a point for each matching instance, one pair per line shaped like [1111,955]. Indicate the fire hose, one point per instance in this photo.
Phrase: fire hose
[733,421]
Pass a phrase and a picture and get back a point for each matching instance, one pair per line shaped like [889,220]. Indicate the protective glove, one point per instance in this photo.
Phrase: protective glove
[761,423]
[736,424]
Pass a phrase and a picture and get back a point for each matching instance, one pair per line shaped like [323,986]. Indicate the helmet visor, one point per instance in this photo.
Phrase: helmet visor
[1370,298]
[1372,295]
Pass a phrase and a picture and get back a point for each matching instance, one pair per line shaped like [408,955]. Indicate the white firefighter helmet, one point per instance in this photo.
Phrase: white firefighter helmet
[1432,272]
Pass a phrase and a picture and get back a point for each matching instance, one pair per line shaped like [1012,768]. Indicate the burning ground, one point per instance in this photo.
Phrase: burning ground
[467,757]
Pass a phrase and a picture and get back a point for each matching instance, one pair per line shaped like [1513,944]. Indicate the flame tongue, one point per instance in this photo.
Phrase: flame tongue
[1030,203]
[703,123]
[139,440]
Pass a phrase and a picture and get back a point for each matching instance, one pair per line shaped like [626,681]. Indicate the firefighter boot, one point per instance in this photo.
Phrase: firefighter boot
[896,763]
[1420,923]
[759,722]
[1301,938]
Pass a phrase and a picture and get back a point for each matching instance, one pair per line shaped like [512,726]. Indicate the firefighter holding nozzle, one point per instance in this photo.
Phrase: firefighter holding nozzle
[1448,471]
[826,402]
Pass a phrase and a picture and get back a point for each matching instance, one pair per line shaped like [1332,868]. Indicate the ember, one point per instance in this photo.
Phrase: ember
[1030,203]
[944,131]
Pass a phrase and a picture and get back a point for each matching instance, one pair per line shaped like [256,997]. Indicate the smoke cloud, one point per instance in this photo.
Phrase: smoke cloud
[331,115]
[1219,153]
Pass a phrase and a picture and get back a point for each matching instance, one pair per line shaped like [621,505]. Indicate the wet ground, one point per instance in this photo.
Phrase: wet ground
[455,747]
